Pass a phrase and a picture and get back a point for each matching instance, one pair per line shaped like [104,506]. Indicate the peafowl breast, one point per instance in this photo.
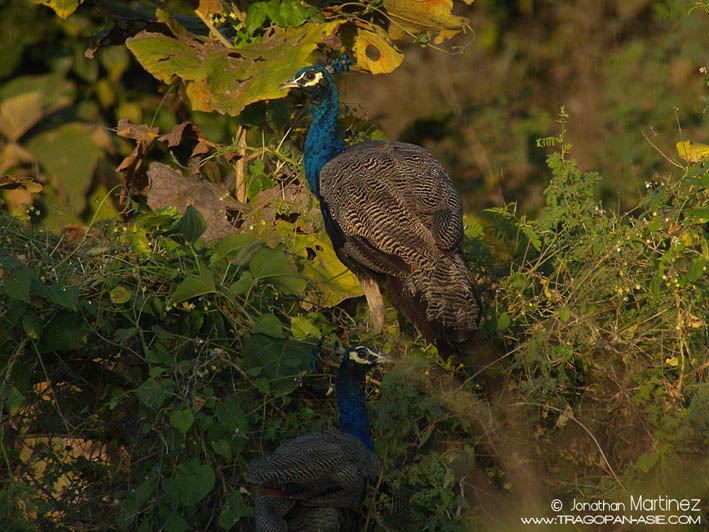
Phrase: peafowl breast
[317,482]
[395,219]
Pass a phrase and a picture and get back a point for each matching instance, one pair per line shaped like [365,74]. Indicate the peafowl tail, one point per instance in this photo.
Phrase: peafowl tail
[442,302]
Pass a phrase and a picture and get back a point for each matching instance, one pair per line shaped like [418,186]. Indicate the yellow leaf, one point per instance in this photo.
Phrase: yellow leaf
[19,113]
[693,152]
[63,8]
[428,16]
[672,362]
[334,281]
[375,53]
[120,295]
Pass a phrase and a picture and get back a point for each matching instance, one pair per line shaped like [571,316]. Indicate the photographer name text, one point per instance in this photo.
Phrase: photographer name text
[639,503]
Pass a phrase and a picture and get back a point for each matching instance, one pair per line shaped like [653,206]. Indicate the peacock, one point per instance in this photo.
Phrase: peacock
[395,220]
[316,482]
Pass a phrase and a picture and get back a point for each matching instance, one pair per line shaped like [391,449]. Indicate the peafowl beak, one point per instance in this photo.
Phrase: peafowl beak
[290,84]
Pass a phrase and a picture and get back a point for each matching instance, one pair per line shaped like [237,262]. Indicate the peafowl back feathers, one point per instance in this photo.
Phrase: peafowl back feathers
[395,219]
[317,482]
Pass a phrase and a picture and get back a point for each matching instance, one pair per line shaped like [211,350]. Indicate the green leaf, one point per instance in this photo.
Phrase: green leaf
[191,225]
[223,449]
[532,236]
[175,523]
[273,9]
[17,284]
[14,401]
[278,360]
[293,12]
[262,385]
[255,17]
[161,333]
[124,334]
[31,325]
[699,214]
[239,247]
[65,332]
[242,286]
[231,416]
[226,79]
[302,327]
[63,296]
[195,285]
[503,321]
[182,420]
[234,509]
[696,269]
[154,392]
[269,325]
[57,150]
[192,483]
[273,265]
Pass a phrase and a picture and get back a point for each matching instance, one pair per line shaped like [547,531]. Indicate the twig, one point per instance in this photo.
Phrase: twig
[214,32]
[587,430]
[240,173]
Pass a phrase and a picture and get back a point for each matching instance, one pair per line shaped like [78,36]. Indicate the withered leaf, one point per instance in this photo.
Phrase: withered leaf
[168,187]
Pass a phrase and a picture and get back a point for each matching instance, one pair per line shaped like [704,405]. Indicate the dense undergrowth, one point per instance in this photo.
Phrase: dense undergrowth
[143,369]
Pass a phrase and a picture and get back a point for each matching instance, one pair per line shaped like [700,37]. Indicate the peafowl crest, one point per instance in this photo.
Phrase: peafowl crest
[395,219]
[317,482]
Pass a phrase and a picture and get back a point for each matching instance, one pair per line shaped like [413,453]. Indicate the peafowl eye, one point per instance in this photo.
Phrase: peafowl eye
[395,219]
[317,482]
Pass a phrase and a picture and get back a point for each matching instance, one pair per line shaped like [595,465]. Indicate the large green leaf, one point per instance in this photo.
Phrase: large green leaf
[231,416]
[239,247]
[195,285]
[227,79]
[279,360]
[69,155]
[191,225]
[65,332]
[273,265]
[191,483]
[17,284]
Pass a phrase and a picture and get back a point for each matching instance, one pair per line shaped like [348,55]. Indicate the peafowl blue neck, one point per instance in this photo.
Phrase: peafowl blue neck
[324,140]
[353,410]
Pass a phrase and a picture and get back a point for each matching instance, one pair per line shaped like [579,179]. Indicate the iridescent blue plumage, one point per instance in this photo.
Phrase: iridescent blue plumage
[324,140]
[349,387]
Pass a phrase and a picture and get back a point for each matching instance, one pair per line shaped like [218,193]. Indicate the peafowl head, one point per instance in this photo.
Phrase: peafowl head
[315,80]
[349,387]
[358,360]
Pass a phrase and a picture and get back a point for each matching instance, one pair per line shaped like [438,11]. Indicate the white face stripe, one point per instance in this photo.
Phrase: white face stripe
[306,83]
[363,359]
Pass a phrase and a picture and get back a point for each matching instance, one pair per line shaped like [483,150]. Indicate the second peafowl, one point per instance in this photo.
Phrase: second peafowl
[316,482]
[395,219]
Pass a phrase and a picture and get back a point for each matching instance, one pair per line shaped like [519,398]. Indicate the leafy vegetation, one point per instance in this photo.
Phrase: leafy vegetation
[148,356]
